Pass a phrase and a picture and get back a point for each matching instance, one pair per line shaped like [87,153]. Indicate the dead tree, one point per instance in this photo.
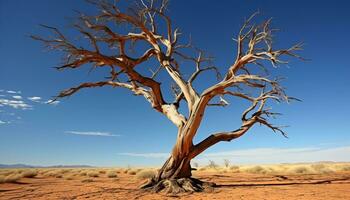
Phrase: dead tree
[255,50]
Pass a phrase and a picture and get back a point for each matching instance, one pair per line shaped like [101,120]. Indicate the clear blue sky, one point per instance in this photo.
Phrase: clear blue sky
[33,132]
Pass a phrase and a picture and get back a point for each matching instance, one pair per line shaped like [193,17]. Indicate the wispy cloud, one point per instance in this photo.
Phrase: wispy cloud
[92,133]
[3,122]
[35,99]
[13,92]
[17,97]
[11,99]
[265,155]
[17,104]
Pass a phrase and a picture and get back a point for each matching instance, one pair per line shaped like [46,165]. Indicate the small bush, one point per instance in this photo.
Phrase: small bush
[132,172]
[102,171]
[299,170]
[83,173]
[92,174]
[112,174]
[6,172]
[145,174]
[256,170]
[69,177]
[58,176]
[345,168]
[30,173]
[12,178]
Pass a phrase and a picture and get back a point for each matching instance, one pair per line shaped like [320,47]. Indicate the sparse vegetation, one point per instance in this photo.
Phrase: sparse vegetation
[31,173]
[92,174]
[132,172]
[145,174]
[112,174]
[212,164]
[12,178]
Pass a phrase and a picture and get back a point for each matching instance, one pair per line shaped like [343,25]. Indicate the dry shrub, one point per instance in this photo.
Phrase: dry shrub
[299,170]
[255,170]
[112,174]
[54,173]
[64,171]
[145,174]
[12,178]
[92,174]
[102,171]
[58,176]
[6,172]
[344,168]
[69,177]
[318,166]
[83,173]
[234,168]
[87,180]
[132,172]
[31,173]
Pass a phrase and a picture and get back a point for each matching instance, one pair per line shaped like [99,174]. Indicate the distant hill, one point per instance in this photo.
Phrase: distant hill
[53,166]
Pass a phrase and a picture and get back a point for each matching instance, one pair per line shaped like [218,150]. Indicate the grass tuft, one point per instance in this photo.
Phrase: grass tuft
[145,174]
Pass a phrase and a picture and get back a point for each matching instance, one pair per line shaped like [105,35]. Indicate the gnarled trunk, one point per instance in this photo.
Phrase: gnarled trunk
[175,175]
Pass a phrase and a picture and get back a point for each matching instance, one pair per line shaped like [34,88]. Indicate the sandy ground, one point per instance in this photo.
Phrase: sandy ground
[229,186]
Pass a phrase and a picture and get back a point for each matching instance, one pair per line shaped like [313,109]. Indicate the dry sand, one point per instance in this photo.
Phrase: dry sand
[74,184]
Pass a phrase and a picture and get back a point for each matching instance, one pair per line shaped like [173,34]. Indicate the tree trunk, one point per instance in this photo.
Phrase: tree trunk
[175,174]
[175,168]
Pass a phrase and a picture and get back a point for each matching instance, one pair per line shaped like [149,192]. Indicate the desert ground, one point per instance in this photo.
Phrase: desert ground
[283,181]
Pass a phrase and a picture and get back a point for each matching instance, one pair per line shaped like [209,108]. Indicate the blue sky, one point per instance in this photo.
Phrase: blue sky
[111,127]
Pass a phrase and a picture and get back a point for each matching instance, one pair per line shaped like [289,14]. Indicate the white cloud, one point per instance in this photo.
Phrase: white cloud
[265,155]
[4,122]
[92,133]
[17,104]
[13,92]
[35,99]
[1,90]
[17,97]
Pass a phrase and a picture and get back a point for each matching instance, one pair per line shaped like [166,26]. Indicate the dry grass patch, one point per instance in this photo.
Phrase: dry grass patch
[92,174]
[132,172]
[30,173]
[145,174]
[12,178]
[112,174]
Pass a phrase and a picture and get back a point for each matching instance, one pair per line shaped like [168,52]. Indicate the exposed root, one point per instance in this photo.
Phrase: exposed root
[176,186]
